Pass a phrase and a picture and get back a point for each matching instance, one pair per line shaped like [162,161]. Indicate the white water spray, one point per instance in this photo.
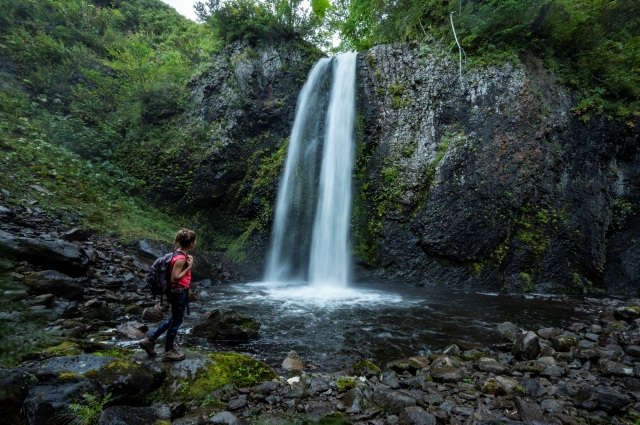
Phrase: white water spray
[310,238]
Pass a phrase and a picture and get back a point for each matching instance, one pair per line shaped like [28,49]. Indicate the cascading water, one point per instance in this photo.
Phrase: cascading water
[310,238]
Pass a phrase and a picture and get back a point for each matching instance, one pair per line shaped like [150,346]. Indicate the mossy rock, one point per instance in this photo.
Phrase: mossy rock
[345,384]
[472,355]
[366,368]
[128,381]
[408,365]
[202,373]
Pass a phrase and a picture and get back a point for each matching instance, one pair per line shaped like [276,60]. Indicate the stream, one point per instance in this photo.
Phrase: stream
[333,327]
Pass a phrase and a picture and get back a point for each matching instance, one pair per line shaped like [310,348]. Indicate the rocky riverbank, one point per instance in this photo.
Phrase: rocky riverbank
[89,290]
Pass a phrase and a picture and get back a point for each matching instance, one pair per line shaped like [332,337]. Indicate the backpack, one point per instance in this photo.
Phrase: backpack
[159,279]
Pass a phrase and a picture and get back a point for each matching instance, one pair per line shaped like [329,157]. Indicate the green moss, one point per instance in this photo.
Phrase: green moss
[116,352]
[476,268]
[345,384]
[227,369]
[69,376]
[527,284]
[397,92]
[366,368]
[472,355]
[65,348]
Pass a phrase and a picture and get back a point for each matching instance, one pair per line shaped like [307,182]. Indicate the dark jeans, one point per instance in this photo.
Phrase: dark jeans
[178,304]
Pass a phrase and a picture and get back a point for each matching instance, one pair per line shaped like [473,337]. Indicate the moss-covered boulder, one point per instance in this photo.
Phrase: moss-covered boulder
[202,373]
[366,368]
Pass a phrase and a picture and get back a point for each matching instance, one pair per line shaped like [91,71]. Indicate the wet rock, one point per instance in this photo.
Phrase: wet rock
[602,398]
[238,403]
[402,365]
[533,388]
[292,362]
[529,412]
[227,325]
[120,415]
[48,400]
[76,234]
[416,415]
[527,346]
[393,402]
[628,313]
[445,369]
[153,314]
[56,283]
[610,368]
[319,409]
[366,368]
[97,310]
[131,331]
[13,390]
[508,331]
[57,254]
[564,342]
[354,401]
[391,379]
[508,385]
[490,365]
[225,418]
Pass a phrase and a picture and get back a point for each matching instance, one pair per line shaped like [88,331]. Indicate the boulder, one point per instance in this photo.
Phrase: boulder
[56,283]
[527,346]
[120,415]
[293,362]
[393,402]
[58,255]
[226,325]
[416,415]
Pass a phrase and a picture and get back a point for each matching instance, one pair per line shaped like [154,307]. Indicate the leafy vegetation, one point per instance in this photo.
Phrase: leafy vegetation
[265,20]
[592,45]
[83,82]
[86,413]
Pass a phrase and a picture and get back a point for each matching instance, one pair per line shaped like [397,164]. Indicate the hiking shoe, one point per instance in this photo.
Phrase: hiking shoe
[173,356]
[148,346]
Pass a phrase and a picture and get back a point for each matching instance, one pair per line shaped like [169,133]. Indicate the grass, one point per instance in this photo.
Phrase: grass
[37,172]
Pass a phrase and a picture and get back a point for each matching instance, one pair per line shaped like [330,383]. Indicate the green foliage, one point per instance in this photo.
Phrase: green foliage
[227,369]
[86,413]
[93,82]
[592,45]
[254,20]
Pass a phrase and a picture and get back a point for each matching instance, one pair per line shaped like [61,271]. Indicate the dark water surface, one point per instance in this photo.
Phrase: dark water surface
[331,328]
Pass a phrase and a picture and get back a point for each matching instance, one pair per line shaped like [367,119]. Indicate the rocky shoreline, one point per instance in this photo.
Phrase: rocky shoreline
[84,286]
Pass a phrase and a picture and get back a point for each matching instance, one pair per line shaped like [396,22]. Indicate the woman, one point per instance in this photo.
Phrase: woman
[181,265]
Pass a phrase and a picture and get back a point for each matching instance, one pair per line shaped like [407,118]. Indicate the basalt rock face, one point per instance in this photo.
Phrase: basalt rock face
[490,182]
[246,99]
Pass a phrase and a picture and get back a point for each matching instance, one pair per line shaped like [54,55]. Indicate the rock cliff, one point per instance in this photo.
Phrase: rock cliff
[489,182]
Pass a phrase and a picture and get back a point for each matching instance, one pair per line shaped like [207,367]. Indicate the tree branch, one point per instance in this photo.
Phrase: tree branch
[460,50]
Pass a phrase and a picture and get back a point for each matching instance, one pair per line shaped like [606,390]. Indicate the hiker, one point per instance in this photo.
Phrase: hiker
[178,296]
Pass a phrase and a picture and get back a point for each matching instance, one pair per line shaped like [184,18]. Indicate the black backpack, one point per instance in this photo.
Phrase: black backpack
[159,279]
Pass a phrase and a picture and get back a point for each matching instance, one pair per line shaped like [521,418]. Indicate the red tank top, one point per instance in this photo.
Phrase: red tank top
[186,280]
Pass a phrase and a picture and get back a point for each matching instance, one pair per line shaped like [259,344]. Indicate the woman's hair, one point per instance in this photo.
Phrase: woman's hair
[184,237]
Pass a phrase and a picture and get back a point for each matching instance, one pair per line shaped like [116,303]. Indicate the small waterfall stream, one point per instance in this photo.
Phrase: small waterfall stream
[310,237]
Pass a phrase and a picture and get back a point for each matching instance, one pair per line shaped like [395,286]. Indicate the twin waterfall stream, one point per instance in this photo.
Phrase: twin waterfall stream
[310,238]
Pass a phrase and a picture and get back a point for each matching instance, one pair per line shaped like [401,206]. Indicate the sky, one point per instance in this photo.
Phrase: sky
[184,7]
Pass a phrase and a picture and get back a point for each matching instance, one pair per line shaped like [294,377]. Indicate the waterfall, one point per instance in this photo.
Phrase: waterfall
[310,236]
